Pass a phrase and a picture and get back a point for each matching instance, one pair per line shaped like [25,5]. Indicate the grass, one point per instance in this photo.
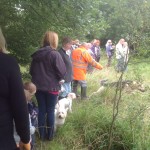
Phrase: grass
[87,128]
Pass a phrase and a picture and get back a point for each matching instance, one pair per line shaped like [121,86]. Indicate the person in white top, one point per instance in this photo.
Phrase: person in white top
[120,56]
[126,52]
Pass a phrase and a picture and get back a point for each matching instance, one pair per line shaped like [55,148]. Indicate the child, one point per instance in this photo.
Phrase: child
[30,90]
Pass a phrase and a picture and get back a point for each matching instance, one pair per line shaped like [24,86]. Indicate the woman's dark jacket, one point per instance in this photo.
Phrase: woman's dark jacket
[47,69]
[13,105]
[68,63]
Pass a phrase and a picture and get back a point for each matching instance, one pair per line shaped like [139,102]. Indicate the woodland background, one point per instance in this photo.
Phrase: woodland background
[25,21]
[115,119]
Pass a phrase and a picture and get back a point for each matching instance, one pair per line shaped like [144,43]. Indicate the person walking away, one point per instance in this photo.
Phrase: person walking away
[47,69]
[12,102]
[66,45]
[80,60]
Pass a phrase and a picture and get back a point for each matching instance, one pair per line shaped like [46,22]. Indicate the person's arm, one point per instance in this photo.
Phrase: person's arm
[88,58]
[18,103]
[59,66]
[126,50]
[23,146]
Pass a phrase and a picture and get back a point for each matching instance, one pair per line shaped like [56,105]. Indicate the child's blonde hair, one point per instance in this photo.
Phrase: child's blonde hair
[29,89]
[29,86]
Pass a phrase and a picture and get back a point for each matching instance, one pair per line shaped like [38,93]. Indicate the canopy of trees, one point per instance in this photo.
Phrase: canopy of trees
[24,22]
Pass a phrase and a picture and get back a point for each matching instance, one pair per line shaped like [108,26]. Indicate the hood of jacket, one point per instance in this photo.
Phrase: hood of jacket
[40,54]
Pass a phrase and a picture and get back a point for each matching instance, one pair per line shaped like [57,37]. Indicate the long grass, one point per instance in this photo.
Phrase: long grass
[87,128]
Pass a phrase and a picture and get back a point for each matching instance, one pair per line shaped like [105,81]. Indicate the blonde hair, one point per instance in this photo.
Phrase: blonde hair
[2,43]
[29,86]
[29,90]
[50,39]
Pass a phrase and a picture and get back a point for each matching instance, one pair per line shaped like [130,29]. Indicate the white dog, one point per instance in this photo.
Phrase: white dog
[66,103]
[60,116]
[61,109]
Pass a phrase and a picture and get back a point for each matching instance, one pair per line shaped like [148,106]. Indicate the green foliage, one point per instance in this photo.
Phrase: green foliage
[89,124]
[24,22]
[130,20]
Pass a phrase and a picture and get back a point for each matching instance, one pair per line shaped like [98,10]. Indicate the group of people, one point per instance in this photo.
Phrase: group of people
[50,70]
[122,54]
[121,50]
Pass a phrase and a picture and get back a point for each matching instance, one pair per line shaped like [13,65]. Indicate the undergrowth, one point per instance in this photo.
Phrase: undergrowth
[87,128]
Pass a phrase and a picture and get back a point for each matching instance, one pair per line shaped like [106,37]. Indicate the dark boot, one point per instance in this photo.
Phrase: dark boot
[75,86]
[83,93]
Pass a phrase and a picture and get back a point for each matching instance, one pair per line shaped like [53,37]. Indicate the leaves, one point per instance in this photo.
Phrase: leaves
[24,22]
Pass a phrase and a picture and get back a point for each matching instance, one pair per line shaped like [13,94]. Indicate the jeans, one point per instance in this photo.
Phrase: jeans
[46,105]
[67,87]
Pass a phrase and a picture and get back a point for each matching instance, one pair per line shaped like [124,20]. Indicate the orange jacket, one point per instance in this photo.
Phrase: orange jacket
[80,60]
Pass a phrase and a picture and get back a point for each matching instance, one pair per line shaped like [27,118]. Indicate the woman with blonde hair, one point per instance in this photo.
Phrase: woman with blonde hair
[47,69]
[13,106]
[2,43]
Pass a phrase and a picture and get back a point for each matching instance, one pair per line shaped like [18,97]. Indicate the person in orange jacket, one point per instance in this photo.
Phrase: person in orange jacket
[80,60]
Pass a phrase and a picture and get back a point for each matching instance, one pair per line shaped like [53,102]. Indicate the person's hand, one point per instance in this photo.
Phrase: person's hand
[24,146]
[61,81]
